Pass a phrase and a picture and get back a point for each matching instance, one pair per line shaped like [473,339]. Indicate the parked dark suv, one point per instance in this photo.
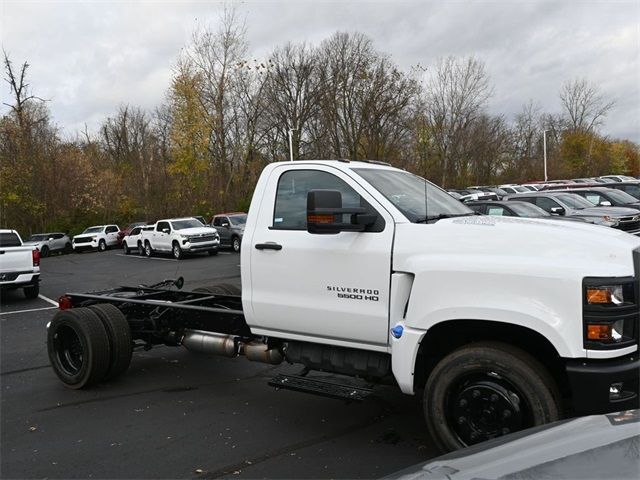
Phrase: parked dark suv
[607,197]
[230,227]
[570,204]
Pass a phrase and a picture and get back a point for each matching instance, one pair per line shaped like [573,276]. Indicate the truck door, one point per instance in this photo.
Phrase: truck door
[222,225]
[161,237]
[314,287]
[112,235]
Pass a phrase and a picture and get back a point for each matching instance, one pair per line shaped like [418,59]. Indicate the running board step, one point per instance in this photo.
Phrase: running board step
[320,387]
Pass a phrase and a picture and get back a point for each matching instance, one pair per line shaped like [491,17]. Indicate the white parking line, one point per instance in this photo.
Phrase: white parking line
[47,299]
[146,258]
[29,310]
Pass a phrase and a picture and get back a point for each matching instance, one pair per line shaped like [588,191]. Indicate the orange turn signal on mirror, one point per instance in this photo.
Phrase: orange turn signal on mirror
[598,295]
[598,332]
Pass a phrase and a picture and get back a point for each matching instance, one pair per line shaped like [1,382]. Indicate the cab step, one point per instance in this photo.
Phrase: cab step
[322,388]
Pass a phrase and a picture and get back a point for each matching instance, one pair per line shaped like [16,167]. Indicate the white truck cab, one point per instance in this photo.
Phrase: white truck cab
[384,268]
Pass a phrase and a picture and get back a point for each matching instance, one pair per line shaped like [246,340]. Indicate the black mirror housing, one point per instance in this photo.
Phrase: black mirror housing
[325,213]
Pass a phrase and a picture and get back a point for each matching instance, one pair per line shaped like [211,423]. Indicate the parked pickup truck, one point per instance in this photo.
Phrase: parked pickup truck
[19,264]
[98,237]
[368,271]
[179,236]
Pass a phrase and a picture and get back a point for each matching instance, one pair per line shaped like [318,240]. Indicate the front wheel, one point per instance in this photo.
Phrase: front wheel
[235,243]
[102,245]
[125,247]
[148,251]
[485,390]
[177,251]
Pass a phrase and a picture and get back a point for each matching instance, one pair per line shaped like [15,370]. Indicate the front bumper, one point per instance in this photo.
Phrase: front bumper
[594,383]
[200,247]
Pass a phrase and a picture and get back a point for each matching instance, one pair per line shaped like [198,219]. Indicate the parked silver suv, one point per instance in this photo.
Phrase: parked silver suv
[50,242]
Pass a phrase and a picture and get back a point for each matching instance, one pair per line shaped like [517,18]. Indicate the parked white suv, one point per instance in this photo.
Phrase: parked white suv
[132,242]
[99,237]
[179,236]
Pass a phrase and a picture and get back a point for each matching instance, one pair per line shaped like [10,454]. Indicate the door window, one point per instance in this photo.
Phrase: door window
[162,226]
[111,229]
[217,222]
[546,203]
[290,211]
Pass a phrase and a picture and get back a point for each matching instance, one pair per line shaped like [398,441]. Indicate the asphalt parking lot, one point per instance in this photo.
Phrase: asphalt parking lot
[175,414]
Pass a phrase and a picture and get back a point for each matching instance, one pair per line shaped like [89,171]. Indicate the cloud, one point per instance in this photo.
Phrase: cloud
[88,58]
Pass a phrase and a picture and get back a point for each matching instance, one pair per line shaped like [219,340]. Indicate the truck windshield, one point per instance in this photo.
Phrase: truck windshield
[93,230]
[406,192]
[187,223]
[238,219]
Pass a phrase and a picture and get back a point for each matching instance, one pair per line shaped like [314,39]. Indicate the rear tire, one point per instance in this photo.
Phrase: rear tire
[68,248]
[486,390]
[44,252]
[31,292]
[220,289]
[120,340]
[78,347]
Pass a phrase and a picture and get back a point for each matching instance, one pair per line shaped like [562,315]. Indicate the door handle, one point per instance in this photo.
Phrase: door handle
[268,246]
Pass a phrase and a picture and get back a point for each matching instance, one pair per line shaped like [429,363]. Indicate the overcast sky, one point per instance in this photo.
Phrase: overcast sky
[90,57]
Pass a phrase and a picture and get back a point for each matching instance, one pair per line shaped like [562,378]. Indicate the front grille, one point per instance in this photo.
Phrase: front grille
[628,224]
[206,238]
[82,240]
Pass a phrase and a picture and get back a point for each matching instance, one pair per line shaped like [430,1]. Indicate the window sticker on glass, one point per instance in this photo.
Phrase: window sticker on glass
[277,220]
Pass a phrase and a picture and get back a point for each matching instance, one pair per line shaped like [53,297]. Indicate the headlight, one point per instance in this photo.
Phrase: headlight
[610,313]
[185,237]
[606,221]
[612,294]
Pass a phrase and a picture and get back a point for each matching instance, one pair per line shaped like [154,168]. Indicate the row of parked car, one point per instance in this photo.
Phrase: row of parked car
[612,201]
[177,236]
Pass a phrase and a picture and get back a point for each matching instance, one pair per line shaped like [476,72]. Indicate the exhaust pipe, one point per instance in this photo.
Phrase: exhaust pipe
[259,352]
[210,343]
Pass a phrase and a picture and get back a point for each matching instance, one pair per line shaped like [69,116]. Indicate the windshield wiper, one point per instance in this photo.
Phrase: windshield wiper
[440,216]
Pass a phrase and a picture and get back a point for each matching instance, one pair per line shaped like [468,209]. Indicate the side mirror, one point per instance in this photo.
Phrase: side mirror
[557,211]
[226,225]
[51,239]
[604,203]
[325,214]
[165,230]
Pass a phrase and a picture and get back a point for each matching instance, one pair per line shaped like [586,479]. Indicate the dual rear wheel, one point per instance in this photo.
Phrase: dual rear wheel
[89,345]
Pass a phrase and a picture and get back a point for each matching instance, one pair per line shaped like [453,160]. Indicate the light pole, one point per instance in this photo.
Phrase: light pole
[291,130]
[544,141]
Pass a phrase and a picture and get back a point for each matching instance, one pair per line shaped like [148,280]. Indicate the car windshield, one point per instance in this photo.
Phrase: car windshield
[93,230]
[407,193]
[186,223]
[238,219]
[621,197]
[575,201]
[37,238]
[528,210]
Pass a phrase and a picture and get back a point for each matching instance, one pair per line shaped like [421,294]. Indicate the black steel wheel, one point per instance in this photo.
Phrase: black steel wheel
[120,340]
[78,347]
[44,252]
[486,390]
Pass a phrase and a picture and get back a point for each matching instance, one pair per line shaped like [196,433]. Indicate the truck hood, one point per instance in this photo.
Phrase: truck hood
[500,244]
[609,211]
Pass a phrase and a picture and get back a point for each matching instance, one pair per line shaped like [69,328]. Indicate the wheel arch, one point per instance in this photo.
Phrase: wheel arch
[447,336]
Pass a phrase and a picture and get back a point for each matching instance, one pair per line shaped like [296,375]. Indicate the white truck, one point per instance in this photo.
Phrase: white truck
[99,237]
[364,270]
[179,236]
[19,264]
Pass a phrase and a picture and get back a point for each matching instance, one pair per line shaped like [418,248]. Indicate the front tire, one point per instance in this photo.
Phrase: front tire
[177,251]
[235,244]
[125,247]
[148,251]
[102,245]
[78,347]
[486,390]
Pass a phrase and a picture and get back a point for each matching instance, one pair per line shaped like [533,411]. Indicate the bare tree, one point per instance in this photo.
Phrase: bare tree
[584,105]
